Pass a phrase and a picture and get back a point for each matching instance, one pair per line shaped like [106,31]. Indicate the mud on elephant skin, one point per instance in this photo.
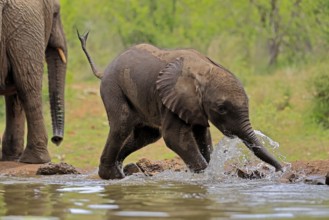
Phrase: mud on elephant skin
[31,32]
[150,92]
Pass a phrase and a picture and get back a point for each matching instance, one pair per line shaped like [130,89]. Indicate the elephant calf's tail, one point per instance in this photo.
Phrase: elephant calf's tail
[83,40]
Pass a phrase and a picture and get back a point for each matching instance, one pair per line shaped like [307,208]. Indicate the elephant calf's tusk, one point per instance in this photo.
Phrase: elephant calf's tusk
[62,55]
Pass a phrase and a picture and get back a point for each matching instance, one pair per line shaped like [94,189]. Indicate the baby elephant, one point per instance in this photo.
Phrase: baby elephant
[150,92]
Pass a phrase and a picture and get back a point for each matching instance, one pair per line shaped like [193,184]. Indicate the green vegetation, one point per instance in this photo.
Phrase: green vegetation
[321,98]
[278,48]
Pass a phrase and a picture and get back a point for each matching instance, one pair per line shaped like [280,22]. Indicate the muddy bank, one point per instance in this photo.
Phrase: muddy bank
[312,172]
[10,168]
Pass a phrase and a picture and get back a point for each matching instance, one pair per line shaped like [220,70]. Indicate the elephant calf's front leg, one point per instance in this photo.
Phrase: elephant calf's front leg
[203,139]
[13,138]
[179,137]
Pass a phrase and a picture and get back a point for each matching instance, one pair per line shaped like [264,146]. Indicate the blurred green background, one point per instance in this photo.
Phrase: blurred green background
[277,48]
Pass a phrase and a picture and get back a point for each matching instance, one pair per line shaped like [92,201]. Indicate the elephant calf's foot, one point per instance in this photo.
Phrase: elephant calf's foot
[35,156]
[198,167]
[110,172]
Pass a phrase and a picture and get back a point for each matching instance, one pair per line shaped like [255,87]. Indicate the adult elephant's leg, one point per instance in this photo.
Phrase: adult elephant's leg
[27,66]
[179,137]
[203,138]
[36,148]
[13,137]
[139,138]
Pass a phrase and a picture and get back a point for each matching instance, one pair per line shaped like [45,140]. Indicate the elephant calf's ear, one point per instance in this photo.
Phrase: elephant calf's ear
[179,94]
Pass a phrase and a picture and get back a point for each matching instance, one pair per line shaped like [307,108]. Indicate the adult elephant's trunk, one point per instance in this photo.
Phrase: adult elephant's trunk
[250,139]
[56,60]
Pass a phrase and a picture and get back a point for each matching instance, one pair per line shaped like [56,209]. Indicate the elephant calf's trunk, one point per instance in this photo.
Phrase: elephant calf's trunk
[262,153]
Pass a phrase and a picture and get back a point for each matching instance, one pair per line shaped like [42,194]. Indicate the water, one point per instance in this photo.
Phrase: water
[212,195]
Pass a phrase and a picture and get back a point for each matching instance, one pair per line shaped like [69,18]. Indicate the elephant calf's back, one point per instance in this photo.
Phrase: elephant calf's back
[135,72]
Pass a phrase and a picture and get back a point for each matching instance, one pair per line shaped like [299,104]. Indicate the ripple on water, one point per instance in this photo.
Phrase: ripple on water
[80,211]
[82,190]
[141,214]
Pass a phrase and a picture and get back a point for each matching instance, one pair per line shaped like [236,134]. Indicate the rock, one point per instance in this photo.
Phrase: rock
[293,178]
[130,169]
[53,169]
[315,180]
[253,175]
[150,168]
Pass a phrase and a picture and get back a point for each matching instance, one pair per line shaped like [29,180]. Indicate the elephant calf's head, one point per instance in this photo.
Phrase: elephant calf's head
[226,103]
[198,90]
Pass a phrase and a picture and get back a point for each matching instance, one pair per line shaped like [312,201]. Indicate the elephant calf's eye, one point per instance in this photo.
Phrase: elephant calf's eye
[222,110]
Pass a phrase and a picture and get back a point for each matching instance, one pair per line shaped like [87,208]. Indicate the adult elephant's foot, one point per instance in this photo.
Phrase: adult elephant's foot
[110,172]
[11,150]
[10,157]
[35,156]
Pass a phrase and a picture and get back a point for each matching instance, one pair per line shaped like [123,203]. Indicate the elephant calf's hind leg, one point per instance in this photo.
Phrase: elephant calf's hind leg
[140,137]
[110,167]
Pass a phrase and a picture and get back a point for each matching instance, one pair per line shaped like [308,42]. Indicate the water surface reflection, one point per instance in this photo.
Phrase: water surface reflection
[160,198]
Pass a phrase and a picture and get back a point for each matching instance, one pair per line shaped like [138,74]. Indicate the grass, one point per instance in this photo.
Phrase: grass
[280,107]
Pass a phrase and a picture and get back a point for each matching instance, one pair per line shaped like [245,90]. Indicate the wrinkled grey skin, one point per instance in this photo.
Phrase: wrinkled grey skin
[149,93]
[30,33]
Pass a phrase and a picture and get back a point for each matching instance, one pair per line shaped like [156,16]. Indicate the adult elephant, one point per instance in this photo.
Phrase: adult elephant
[30,32]
[149,92]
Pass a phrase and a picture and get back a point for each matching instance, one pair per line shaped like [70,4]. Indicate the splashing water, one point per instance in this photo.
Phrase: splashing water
[226,151]
[271,145]
[228,156]
[266,141]
[231,154]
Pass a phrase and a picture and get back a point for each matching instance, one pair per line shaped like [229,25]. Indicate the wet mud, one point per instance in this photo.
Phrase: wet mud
[309,172]
[54,169]
[151,168]
[17,169]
